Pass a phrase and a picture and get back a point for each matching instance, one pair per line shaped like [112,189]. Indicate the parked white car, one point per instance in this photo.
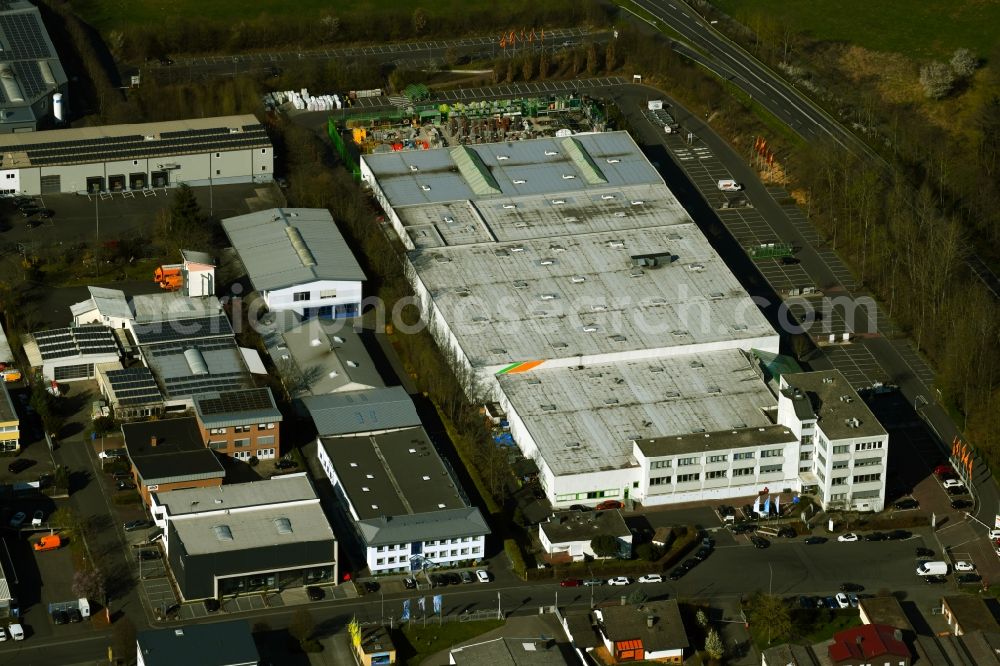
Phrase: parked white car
[842,600]
[483,575]
[847,538]
[620,580]
[16,631]
[994,535]
[651,578]
[37,518]
[3,634]
[965,566]
[953,483]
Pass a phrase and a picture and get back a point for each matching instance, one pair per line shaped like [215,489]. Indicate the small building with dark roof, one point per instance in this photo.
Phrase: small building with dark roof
[869,645]
[227,643]
[566,536]
[242,423]
[405,503]
[651,631]
[789,654]
[169,454]
[132,393]
[510,652]
[965,613]
[884,610]
[246,537]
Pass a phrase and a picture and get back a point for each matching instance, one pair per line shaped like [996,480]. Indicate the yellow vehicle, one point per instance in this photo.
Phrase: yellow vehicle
[11,375]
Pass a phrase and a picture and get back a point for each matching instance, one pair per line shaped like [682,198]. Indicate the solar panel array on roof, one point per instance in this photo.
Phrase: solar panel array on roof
[25,36]
[174,330]
[223,381]
[237,401]
[181,142]
[64,342]
[134,386]
[179,347]
[30,78]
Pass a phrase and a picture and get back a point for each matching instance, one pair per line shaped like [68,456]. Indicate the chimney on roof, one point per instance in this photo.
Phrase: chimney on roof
[898,634]
[650,621]
[153,441]
[857,639]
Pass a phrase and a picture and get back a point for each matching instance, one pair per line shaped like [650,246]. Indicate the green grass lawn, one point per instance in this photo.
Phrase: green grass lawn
[813,626]
[423,641]
[920,29]
[111,14]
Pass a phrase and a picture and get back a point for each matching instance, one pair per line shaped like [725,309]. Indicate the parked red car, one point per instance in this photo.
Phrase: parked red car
[571,582]
[942,470]
[609,504]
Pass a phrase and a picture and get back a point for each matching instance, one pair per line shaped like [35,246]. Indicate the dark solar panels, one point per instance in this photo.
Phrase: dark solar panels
[134,386]
[66,342]
[30,78]
[230,402]
[174,330]
[192,385]
[24,33]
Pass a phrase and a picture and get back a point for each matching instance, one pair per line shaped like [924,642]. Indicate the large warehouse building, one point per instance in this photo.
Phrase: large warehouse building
[32,81]
[119,158]
[568,277]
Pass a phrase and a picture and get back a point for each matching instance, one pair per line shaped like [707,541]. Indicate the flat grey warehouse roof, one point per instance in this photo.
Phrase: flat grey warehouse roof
[274,491]
[284,247]
[839,410]
[392,474]
[584,420]
[589,294]
[362,411]
[540,166]
[255,528]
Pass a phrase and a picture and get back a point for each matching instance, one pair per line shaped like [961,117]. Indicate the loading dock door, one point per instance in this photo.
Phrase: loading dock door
[51,184]
[116,183]
[95,184]
[160,178]
[136,181]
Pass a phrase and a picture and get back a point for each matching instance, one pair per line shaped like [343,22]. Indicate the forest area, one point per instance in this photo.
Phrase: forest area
[906,229]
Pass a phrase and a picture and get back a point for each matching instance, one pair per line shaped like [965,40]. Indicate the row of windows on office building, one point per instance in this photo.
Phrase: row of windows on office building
[473,552]
[718,458]
[241,428]
[716,474]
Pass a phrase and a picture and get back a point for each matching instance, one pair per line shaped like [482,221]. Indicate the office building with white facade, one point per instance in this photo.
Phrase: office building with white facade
[296,259]
[122,158]
[844,449]
[408,509]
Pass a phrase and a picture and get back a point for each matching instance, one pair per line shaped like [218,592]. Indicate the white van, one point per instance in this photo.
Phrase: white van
[729,185]
[16,631]
[932,569]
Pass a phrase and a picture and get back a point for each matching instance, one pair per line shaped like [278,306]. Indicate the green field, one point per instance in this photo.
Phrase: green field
[916,28]
[113,14]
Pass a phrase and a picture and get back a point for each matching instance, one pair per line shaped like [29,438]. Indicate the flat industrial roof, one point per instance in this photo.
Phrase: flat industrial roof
[209,644]
[542,215]
[278,489]
[178,454]
[100,143]
[840,411]
[323,356]
[716,441]
[258,527]
[107,302]
[371,410]
[222,409]
[170,305]
[565,526]
[548,165]
[585,419]
[188,367]
[285,247]
[589,295]
[393,474]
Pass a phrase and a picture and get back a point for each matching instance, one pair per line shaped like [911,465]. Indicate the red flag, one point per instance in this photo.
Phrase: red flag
[503,43]
[770,159]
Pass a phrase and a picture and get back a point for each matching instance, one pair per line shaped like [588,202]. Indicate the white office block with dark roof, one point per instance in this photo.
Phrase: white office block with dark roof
[405,503]
[246,537]
[121,158]
[33,84]
[296,259]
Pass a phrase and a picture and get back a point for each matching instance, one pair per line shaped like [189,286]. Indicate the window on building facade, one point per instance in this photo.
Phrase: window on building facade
[241,428]
[770,469]
[218,445]
[240,443]
[659,481]
[867,446]
[807,440]
[265,440]
[838,480]
[839,464]
[865,478]
[217,431]
[659,464]
[682,462]
[867,462]
[328,293]
[805,455]
[265,426]
[838,496]
[743,471]
[748,455]
[718,474]
[770,453]
[300,296]
[841,448]
[718,458]
[684,478]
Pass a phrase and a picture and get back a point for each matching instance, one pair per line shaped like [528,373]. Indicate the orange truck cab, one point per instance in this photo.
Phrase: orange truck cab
[48,542]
